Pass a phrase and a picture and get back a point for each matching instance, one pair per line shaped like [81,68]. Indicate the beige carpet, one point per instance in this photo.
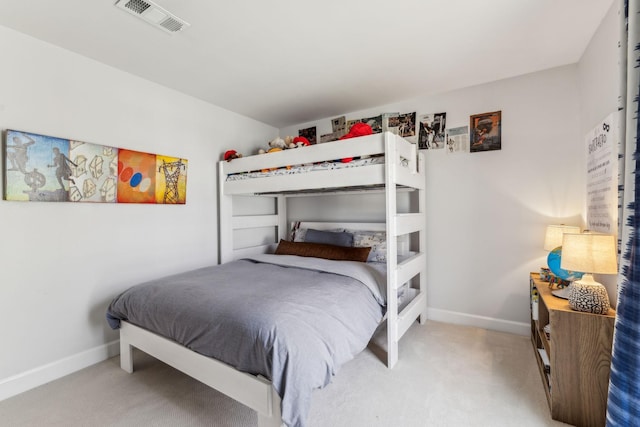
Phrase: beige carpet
[447,375]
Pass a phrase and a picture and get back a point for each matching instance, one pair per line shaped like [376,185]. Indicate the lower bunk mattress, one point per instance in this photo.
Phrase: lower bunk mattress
[291,319]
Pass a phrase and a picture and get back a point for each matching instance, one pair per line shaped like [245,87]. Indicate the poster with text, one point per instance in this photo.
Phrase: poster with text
[602,176]
[457,139]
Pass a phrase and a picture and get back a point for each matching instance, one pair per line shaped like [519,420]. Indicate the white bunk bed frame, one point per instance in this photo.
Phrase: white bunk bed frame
[403,169]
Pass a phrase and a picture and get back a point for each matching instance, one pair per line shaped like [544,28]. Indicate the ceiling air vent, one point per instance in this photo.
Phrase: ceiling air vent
[153,14]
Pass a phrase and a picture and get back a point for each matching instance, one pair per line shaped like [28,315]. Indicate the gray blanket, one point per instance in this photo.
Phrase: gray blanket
[291,319]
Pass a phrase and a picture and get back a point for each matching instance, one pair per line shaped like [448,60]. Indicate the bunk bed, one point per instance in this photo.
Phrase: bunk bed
[384,163]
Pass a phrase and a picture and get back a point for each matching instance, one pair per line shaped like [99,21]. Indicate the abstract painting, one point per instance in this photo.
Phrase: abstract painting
[94,172]
[37,167]
[46,168]
[136,177]
[171,180]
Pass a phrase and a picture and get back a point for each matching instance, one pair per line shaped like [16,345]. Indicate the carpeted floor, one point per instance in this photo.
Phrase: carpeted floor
[447,375]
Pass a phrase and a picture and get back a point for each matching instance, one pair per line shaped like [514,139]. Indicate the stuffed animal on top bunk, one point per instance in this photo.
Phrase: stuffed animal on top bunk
[276,144]
[300,141]
[358,129]
[286,143]
[231,154]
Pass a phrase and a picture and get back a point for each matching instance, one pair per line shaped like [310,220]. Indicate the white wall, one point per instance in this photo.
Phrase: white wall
[61,263]
[599,83]
[487,212]
[598,73]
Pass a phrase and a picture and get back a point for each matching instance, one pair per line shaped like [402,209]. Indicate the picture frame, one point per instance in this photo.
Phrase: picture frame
[310,134]
[485,132]
[431,131]
[42,168]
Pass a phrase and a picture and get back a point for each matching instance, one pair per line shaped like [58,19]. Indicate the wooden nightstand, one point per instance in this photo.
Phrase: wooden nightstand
[578,348]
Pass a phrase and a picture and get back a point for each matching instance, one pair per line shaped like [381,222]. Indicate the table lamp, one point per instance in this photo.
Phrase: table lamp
[553,235]
[553,243]
[591,253]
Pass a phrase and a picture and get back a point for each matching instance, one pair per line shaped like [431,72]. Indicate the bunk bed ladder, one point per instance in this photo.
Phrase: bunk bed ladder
[392,261]
[398,225]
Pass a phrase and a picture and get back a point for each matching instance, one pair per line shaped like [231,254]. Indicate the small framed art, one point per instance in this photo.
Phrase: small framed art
[485,132]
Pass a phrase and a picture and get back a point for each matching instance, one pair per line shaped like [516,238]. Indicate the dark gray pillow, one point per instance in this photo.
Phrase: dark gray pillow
[329,237]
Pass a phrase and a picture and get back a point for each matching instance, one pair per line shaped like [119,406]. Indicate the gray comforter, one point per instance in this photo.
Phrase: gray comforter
[291,319]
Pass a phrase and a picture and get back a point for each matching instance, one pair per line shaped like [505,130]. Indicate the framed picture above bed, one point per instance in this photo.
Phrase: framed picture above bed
[486,131]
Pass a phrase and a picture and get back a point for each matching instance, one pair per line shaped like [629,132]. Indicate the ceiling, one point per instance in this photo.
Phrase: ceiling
[284,62]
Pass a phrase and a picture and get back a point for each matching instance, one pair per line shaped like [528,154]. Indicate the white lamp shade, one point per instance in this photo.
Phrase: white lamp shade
[553,236]
[589,253]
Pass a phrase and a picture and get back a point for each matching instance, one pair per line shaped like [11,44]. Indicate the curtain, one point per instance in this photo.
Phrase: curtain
[623,408]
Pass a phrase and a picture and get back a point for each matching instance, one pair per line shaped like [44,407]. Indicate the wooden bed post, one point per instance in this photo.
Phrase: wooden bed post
[392,261]
[275,420]
[126,354]
[283,227]
[225,221]
[422,208]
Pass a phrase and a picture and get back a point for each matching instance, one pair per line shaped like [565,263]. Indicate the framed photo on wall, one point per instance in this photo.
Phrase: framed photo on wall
[485,132]
[310,134]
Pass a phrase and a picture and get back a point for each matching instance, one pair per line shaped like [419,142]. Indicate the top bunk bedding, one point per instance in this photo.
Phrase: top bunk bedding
[320,166]
[377,158]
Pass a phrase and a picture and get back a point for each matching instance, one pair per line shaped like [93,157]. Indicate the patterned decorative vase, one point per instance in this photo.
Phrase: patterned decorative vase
[589,296]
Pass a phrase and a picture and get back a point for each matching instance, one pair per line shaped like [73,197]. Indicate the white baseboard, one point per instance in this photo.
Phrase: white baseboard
[20,383]
[465,319]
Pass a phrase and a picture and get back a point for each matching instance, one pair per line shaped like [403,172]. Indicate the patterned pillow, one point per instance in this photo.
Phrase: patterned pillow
[376,240]
[298,234]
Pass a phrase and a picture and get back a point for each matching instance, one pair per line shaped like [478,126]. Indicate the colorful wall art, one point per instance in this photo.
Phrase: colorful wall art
[171,180]
[94,172]
[136,177]
[49,169]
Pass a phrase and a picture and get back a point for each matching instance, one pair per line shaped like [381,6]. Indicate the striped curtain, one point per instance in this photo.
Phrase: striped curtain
[624,386]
